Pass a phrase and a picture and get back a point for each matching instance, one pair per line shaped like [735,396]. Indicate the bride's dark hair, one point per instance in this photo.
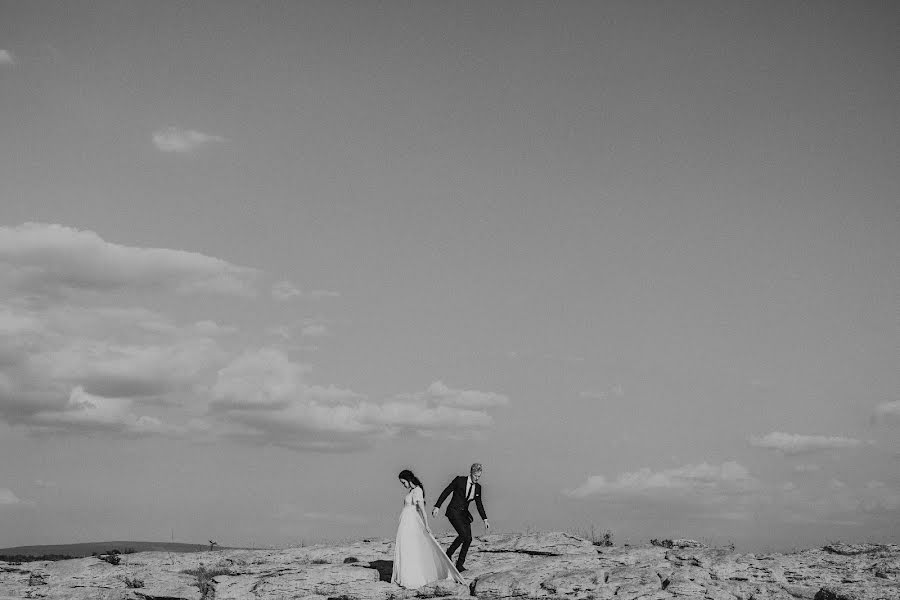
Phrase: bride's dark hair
[411,477]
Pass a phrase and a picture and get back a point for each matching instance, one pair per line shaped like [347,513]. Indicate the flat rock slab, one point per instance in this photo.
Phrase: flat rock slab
[518,567]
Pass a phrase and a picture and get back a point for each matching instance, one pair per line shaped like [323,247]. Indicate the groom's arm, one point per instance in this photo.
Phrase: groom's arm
[479,505]
[447,491]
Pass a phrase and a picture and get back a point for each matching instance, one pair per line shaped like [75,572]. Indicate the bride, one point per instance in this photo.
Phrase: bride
[418,558]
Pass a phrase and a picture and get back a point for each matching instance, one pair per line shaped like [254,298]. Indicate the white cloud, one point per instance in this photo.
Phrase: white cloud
[616,391]
[264,397]
[310,327]
[440,394]
[211,328]
[6,58]
[807,468]
[833,501]
[879,496]
[793,443]
[416,417]
[48,352]
[87,412]
[183,141]
[702,477]
[40,258]
[887,412]
[7,497]
[314,330]
[72,363]
[261,379]
[130,370]
[285,290]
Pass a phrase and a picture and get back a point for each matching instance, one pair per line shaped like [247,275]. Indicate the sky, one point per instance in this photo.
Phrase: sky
[638,259]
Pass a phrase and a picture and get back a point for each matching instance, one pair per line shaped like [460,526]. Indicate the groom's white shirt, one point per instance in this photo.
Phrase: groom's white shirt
[470,488]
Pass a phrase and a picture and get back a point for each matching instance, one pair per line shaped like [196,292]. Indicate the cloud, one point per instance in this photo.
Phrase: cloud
[616,391]
[211,328]
[832,501]
[40,258]
[807,468]
[887,412]
[295,512]
[877,496]
[7,497]
[51,356]
[86,412]
[285,290]
[694,478]
[264,397]
[439,394]
[730,491]
[6,58]
[74,362]
[311,327]
[183,141]
[792,443]
[130,370]
[314,330]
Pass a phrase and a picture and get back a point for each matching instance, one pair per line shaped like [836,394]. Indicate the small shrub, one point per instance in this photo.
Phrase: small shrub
[350,559]
[605,540]
[112,559]
[319,561]
[661,543]
[134,583]
[205,579]
[596,537]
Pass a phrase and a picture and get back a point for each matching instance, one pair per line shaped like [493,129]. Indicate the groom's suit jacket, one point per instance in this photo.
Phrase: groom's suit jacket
[458,501]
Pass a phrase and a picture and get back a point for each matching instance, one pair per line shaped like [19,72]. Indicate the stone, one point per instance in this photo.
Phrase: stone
[539,566]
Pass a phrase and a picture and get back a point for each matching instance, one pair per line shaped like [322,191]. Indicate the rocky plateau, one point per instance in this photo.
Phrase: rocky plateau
[500,566]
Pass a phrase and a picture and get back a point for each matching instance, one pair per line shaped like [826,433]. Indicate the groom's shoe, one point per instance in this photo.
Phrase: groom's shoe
[461,568]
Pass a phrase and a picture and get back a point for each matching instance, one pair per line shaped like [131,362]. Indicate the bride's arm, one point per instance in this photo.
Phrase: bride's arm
[419,499]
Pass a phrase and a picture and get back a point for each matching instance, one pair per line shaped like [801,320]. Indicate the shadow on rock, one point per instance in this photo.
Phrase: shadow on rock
[385,569]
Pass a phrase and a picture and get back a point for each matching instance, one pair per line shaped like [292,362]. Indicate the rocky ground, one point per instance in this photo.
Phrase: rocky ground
[545,566]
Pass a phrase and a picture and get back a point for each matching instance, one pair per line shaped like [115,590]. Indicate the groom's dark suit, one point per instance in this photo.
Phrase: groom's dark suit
[459,515]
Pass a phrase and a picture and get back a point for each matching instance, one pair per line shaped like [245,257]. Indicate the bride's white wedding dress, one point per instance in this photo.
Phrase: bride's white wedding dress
[418,558]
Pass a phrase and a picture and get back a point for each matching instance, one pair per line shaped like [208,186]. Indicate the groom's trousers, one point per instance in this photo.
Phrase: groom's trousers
[463,527]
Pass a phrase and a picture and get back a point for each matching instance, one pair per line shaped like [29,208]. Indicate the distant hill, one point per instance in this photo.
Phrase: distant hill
[89,548]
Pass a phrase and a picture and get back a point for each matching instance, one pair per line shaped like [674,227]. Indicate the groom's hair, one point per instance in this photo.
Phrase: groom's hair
[476,468]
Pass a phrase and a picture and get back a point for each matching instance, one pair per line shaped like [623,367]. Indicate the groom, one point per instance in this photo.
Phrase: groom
[464,490]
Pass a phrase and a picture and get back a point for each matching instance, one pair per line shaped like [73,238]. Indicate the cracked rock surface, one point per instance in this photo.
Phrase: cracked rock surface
[500,566]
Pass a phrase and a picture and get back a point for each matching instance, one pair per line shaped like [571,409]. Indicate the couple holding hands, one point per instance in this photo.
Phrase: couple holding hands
[418,558]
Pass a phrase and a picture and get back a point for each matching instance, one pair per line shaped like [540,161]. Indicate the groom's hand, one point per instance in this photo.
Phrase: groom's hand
[434,511]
